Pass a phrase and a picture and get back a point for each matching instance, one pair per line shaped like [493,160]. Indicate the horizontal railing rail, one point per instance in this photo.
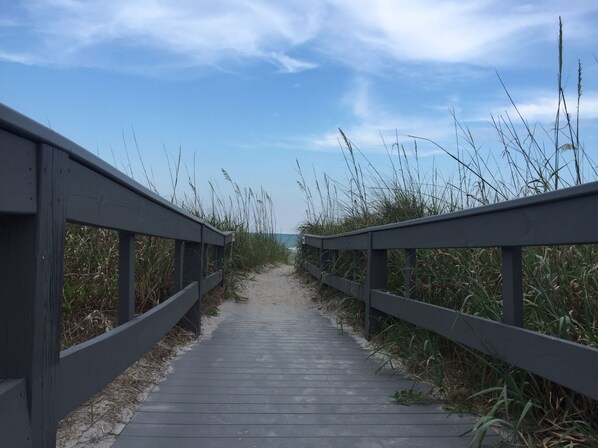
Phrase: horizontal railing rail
[563,217]
[47,181]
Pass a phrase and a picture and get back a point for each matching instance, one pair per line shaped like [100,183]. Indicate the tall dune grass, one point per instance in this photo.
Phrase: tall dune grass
[90,299]
[561,283]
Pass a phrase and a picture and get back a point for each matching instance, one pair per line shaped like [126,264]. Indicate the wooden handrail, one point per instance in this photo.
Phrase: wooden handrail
[46,181]
[567,216]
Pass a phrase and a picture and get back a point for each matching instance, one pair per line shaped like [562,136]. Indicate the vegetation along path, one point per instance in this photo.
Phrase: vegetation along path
[277,373]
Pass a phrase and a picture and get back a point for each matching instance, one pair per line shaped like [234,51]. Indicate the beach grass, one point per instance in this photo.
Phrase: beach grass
[560,282]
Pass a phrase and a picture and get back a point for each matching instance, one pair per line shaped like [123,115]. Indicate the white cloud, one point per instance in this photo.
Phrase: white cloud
[369,36]
[539,106]
[372,124]
[185,32]
[291,65]
[375,37]
[544,108]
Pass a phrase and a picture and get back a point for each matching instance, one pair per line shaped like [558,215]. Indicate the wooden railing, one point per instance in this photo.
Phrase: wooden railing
[45,182]
[568,216]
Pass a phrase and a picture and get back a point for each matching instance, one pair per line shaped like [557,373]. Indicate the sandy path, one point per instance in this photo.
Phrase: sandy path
[274,294]
[275,372]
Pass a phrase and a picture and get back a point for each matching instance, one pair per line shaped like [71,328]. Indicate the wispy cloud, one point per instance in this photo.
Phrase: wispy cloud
[368,36]
[454,32]
[288,64]
[185,32]
[543,107]
[371,124]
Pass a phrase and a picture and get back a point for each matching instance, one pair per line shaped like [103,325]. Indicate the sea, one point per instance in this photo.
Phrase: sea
[288,239]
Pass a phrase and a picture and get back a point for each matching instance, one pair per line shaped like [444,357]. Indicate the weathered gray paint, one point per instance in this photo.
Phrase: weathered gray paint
[348,243]
[46,180]
[31,261]
[286,382]
[178,265]
[564,362]
[567,216]
[375,279]
[210,282]
[17,174]
[87,367]
[20,125]
[512,286]
[126,277]
[14,415]
[349,287]
[193,272]
[96,200]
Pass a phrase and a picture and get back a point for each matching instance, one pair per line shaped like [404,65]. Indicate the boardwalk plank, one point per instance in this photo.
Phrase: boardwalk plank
[293,382]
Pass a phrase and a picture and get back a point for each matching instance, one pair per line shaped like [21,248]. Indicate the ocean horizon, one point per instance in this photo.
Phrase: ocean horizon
[290,240]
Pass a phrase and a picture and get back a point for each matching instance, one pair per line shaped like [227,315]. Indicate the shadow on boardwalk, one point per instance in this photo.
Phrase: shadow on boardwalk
[276,373]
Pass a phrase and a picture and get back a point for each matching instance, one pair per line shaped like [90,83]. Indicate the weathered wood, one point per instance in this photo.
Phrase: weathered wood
[210,282]
[546,219]
[178,265]
[17,174]
[243,387]
[51,228]
[313,270]
[31,273]
[349,287]
[566,216]
[42,186]
[87,367]
[354,242]
[14,414]
[193,272]
[512,286]
[312,240]
[213,236]
[324,258]
[20,125]
[566,363]
[96,200]
[562,217]
[126,277]
[376,279]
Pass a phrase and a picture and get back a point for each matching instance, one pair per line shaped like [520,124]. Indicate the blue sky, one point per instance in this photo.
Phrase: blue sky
[252,86]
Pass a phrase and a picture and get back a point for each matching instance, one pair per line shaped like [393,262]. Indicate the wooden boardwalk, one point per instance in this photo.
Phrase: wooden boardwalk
[297,382]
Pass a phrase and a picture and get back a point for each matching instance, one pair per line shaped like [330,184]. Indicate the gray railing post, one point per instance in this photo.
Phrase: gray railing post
[376,279]
[126,277]
[193,256]
[324,256]
[219,254]
[179,247]
[31,277]
[333,261]
[512,286]
[409,273]
[207,259]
